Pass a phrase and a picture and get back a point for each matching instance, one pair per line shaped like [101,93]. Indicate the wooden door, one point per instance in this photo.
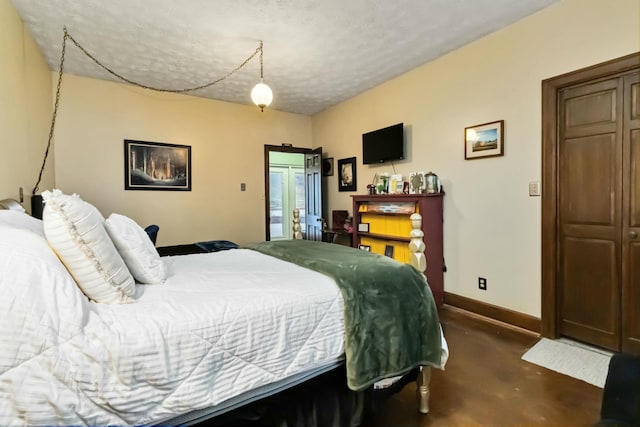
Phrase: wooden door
[590,195]
[598,216]
[590,205]
[313,194]
[631,215]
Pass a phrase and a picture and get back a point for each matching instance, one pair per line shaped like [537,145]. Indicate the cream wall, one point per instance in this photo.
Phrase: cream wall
[227,142]
[25,108]
[491,225]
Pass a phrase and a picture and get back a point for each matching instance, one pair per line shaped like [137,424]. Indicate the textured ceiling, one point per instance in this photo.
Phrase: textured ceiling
[316,53]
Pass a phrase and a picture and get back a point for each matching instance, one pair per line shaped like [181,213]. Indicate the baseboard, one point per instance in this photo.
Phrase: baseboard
[501,314]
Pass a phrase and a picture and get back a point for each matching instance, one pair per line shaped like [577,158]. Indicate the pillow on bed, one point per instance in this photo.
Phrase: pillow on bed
[75,230]
[40,304]
[136,249]
[22,220]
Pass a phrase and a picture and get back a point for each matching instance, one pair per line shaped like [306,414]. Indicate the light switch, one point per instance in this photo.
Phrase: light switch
[534,188]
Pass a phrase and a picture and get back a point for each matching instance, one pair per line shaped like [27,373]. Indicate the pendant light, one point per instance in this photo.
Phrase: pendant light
[261,94]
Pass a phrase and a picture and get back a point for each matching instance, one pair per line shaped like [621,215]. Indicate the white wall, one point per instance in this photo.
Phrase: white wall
[25,108]
[227,142]
[491,225]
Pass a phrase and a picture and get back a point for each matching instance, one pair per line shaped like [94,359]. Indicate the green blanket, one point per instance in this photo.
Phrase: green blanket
[391,321]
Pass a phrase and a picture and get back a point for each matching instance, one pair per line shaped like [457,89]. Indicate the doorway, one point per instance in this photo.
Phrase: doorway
[292,181]
[286,193]
[591,205]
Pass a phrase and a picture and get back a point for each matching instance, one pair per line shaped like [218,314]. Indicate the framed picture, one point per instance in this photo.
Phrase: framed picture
[363,227]
[347,174]
[365,248]
[388,251]
[156,166]
[485,140]
[327,166]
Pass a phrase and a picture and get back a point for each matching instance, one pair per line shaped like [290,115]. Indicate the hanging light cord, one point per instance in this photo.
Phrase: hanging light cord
[55,111]
[190,89]
[261,66]
[121,77]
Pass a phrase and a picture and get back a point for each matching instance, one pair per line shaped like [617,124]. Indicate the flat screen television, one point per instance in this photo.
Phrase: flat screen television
[383,145]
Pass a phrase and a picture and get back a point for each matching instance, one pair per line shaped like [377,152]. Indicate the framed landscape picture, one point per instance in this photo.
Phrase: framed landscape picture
[485,140]
[156,166]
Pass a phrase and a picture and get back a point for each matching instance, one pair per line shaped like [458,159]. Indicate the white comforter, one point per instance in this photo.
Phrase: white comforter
[221,324]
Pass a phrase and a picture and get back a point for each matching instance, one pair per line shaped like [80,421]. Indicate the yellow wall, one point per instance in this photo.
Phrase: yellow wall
[227,146]
[25,108]
[491,225]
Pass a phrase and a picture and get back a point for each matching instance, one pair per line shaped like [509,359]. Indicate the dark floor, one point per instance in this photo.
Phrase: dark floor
[487,383]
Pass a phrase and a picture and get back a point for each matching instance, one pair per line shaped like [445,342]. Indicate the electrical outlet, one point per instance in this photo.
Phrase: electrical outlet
[21,195]
[243,186]
[482,283]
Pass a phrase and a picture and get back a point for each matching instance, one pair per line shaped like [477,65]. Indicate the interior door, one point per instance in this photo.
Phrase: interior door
[599,217]
[631,216]
[590,206]
[590,193]
[313,194]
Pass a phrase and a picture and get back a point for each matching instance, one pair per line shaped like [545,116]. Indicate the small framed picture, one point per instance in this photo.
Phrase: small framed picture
[347,174]
[363,227]
[485,140]
[388,251]
[365,248]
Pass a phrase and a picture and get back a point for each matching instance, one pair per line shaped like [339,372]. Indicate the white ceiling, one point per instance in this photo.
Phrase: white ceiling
[316,53]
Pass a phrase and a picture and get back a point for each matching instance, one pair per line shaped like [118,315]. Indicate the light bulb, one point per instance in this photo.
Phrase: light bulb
[261,95]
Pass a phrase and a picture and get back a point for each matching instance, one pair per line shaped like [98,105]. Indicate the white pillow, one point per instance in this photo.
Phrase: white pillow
[136,249]
[75,229]
[21,220]
[40,304]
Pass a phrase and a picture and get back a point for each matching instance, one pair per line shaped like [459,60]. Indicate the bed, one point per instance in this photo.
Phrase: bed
[178,340]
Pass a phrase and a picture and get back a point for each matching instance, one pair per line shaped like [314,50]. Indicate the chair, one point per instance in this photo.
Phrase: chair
[152,231]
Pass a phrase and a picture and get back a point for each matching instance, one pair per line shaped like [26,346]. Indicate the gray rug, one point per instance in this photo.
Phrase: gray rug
[571,358]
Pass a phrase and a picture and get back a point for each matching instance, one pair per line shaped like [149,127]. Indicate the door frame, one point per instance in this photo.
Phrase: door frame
[549,243]
[281,149]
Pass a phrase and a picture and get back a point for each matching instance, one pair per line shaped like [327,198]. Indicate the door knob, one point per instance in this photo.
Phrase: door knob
[633,234]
